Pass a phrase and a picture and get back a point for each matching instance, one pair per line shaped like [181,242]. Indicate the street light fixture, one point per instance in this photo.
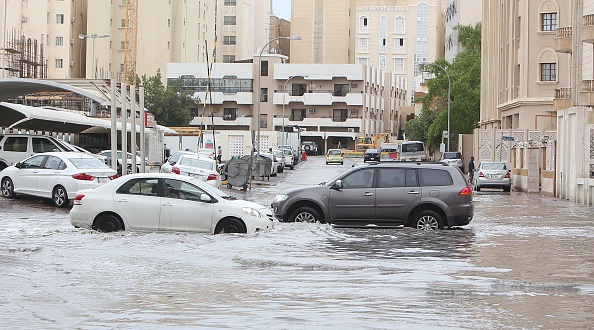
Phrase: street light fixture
[424,66]
[285,92]
[260,88]
[93,36]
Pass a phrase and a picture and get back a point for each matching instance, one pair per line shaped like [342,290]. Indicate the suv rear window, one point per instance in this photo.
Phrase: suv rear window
[452,155]
[429,177]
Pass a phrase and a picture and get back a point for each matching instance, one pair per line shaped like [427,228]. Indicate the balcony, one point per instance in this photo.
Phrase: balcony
[588,29]
[562,98]
[587,93]
[223,120]
[319,97]
[563,40]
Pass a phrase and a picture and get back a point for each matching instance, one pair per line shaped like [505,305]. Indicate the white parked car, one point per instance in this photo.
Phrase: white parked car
[55,175]
[129,157]
[166,202]
[207,152]
[280,156]
[196,166]
[288,158]
[167,167]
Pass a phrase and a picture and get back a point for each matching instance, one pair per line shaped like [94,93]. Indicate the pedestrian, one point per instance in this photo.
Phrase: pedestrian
[269,150]
[219,154]
[471,169]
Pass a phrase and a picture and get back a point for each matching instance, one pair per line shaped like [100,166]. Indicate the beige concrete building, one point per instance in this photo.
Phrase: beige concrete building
[394,36]
[459,12]
[521,69]
[243,28]
[332,104]
[40,38]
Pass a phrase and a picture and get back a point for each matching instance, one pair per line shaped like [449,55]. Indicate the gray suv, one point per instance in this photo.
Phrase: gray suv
[423,195]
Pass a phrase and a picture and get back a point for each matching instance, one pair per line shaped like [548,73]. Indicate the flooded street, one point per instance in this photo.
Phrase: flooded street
[524,262]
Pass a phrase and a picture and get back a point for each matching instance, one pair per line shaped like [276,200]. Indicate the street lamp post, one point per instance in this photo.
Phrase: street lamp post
[449,89]
[93,36]
[260,88]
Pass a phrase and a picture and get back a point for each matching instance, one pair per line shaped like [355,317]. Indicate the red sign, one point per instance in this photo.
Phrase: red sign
[149,120]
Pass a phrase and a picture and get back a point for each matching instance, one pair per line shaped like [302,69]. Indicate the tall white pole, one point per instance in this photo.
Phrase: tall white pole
[114,126]
[133,126]
[4,51]
[124,115]
[142,123]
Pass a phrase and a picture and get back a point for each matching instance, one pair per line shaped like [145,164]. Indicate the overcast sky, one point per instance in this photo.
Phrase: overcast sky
[282,8]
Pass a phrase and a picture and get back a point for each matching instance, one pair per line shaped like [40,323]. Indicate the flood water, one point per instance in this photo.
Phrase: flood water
[524,262]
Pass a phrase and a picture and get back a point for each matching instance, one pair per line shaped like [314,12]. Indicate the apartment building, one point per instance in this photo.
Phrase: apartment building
[331,104]
[243,27]
[520,67]
[393,36]
[459,12]
[40,38]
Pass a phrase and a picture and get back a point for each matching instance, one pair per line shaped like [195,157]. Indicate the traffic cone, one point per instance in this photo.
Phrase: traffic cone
[303,155]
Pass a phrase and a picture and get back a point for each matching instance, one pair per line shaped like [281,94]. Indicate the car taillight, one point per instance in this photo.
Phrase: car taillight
[507,176]
[83,176]
[211,176]
[481,174]
[115,176]
[175,170]
[465,192]
[78,199]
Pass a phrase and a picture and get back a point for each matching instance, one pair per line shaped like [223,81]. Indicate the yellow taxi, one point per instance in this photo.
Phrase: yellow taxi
[334,156]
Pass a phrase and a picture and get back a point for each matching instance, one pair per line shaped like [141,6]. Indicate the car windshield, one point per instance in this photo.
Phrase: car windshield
[211,189]
[451,155]
[334,152]
[88,163]
[194,161]
[493,166]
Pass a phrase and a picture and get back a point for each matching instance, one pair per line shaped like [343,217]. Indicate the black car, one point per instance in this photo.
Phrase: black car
[371,155]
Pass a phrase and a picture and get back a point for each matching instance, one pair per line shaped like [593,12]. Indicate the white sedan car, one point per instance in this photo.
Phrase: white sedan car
[197,166]
[55,175]
[166,202]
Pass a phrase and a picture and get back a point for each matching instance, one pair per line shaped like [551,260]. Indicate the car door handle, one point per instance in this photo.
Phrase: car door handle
[34,172]
[368,194]
[413,192]
[167,204]
[123,201]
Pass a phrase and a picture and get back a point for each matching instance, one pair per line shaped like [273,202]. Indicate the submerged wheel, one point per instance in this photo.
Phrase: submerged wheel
[60,197]
[7,188]
[305,214]
[108,222]
[427,220]
[230,226]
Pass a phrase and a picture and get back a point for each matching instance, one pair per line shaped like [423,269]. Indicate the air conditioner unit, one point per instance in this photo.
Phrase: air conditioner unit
[351,130]
[23,18]
[353,112]
[215,110]
[71,63]
[72,41]
[311,110]
[72,19]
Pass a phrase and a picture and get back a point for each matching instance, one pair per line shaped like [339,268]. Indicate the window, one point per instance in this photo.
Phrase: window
[549,21]
[429,177]
[548,71]
[263,121]
[392,177]
[363,43]
[363,27]
[230,2]
[123,23]
[399,25]
[359,179]
[398,65]
[382,62]
[362,60]
[398,45]
[298,89]
[228,58]
[142,186]
[59,63]
[43,145]
[263,94]
[182,190]
[59,41]
[60,18]
[264,69]
[122,45]
[54,163]
[229,40]
[229,20]
[33,162]
[17,144]
[340,115]
[297,114]
[340,89]
[229,113]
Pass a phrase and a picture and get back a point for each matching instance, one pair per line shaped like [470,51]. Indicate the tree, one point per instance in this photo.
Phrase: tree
[170,105]
[465,77]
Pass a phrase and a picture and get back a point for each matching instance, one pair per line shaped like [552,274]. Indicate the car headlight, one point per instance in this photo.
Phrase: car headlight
[280,198]
[251,211]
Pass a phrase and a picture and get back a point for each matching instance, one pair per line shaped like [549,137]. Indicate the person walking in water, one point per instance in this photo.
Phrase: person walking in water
[219,154]
[471,169]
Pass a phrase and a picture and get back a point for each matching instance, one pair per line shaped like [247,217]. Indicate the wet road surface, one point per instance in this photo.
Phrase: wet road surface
[524,262]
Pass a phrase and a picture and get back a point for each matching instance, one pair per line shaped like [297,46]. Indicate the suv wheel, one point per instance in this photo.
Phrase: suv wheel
[305,214]
[7,188]
[427,220]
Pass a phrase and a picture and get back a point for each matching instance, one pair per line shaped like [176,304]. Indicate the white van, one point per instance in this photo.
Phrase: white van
[17,147]
[413,151]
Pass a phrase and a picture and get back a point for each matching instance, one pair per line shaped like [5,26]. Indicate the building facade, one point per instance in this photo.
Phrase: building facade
[243,27]
[459,12]
[331,104]
[393,36]
[520,68]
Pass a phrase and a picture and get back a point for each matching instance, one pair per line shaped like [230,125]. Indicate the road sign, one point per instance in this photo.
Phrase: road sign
[442,147]
[444,134]
[507,138]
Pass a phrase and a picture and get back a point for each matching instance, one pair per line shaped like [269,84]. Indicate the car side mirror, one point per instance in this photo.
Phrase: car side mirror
[17,165]
[205,198]
[337,185]
[171,163]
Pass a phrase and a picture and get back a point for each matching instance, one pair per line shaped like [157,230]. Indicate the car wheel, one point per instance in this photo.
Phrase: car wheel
[230,226]
[281,169]
[108,222]
[291,167]
[327,163]
[60,197]
[341,163]
[427,220]
[7,188]
[507,189]
[477,188]
[305,214]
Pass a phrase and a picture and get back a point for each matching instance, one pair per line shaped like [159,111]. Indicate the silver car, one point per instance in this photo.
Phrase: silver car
[424,195]
[492,175]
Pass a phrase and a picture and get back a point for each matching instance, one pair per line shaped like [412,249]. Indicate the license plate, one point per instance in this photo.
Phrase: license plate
[103,180]
[494,176]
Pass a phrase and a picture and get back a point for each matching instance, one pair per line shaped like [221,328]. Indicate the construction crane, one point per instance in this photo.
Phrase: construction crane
[130,47]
